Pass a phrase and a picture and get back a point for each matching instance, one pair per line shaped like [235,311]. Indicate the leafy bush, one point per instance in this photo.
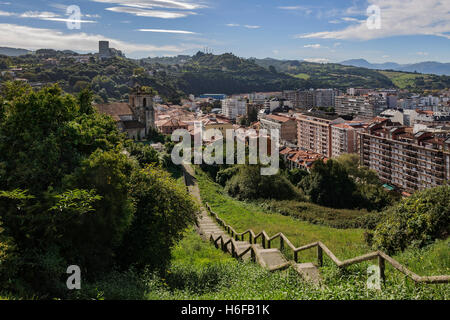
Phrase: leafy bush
[70,194]
[328,184]
[296,175]
[249,184]
[224,175]
[163,211]
[415,221]
[315,214]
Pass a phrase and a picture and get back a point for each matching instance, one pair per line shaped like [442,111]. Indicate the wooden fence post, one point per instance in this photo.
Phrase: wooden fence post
[263,241]
[296,256]
[381,264]
[319,256]
[281,243]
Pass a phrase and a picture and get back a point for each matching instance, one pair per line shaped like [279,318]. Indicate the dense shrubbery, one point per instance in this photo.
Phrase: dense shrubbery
[329,185]
[342,183]
[315,214]
[75,191]
[223,176]
[415,221]
[200,271]
[249,184]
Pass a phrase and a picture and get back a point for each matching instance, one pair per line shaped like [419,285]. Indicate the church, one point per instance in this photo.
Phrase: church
[135,117]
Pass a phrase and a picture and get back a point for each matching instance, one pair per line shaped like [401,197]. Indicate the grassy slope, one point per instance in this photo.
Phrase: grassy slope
[345,244]
[200,271]
[401,79]
[242,216]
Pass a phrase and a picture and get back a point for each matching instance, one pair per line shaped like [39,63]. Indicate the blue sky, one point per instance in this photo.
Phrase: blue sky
[316,30]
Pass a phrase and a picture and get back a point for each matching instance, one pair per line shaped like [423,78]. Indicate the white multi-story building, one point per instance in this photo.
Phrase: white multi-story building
[233,108]
[367,106]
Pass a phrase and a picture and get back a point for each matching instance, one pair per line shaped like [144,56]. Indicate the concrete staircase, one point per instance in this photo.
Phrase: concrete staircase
[271,259]
[268,258]
[212,228]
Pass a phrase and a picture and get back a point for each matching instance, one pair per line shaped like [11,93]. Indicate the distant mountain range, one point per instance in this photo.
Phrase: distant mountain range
[13,52]
[428,67]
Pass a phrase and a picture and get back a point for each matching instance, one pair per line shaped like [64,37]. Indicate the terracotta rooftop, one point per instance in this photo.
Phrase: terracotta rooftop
[278,118]
[172,123]
[115,109]
[133,124]
[306,158]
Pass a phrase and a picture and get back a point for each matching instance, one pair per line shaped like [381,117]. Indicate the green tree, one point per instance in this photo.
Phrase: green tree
[249,184]
[296,175]
[361,174]
[328,184]
[163,212]
[415,222]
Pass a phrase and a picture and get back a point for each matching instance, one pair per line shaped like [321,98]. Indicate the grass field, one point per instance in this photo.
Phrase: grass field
[345,244]
[303,76]
[200,271]
[402,80]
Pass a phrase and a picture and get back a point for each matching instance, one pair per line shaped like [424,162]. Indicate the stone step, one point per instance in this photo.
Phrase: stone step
[309,272]
[271,257]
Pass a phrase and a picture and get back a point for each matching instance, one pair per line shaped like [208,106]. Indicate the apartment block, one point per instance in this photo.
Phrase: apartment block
[405,160]
[314,132]
[300,159]
[286,126]
[324,97]
[367,106]
[311,98]
[344,138]
[233,108]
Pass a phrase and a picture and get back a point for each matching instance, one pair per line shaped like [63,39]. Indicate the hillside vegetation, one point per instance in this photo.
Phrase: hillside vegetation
[177,77]
[345,244]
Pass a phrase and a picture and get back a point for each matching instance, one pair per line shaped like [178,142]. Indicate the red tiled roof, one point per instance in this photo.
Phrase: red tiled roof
[173,123]
[279,118]
[115,109]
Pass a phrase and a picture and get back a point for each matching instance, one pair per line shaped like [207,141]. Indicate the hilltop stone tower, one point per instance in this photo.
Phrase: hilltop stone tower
[141,103]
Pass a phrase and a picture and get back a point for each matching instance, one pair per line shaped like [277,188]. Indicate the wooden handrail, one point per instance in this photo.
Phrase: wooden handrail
[321,248]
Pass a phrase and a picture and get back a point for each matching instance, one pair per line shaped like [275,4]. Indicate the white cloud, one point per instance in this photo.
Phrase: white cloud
[166,31]
[50,16]
[17,36]
[305,10]
[292,8]
[152,13]
[146,8]
[349,19]
[314,46]
[317,60]
[6,14]
[420,53]
[251,27]
[149,4]
[398,18]
[43,15]
[244,26]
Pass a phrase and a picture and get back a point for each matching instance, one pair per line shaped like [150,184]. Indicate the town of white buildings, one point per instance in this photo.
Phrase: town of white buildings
[404,138]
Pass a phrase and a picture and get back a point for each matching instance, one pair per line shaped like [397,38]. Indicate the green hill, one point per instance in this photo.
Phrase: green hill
[175,77]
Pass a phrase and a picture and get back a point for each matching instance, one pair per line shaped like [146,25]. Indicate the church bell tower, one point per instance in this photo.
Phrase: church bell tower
[141,103]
